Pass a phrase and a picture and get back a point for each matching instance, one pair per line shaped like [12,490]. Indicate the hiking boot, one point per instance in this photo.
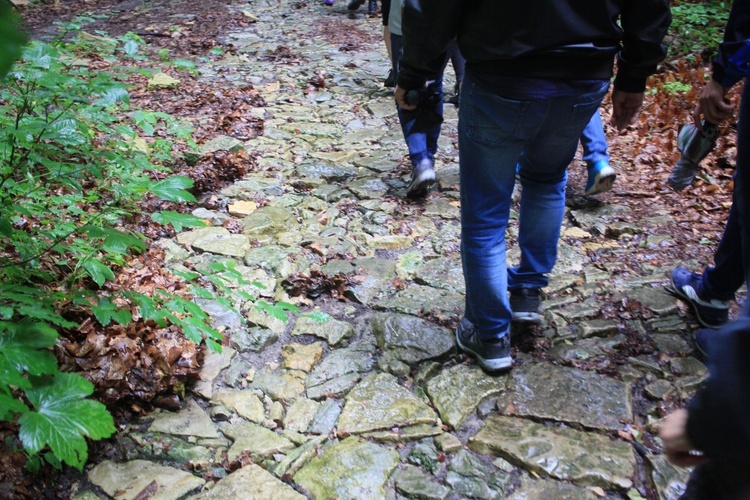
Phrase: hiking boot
[492,355]
[711,313]
[390,80]
[422,177]
[354,4]
[525,303]
[601,177]
[372,7]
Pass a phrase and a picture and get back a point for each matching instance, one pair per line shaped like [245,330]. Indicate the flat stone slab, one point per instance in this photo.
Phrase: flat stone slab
[251,482]
[411,482]
[569,395]
[255,439]
[445,273]
[379,402]
[349,469]
[246,404]
[418,299]
[278,385]
[411,339]
[332,330]
[213,364]
[548,489]
[457,391]
[585,458]
[143,479]
[670,481]
[216,240]
[357,358]
[192,421]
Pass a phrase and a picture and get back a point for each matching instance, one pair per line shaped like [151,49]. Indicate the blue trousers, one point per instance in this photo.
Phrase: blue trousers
[732,257]
[494,135]
[593,141]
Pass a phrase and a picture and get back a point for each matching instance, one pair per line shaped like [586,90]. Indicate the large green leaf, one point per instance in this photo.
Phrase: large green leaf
[173,188]
[178,220]
[25,347]
[63,417]
[99,272]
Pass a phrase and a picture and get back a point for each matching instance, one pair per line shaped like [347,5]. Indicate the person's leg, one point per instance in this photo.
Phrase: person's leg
[742,177]
[543,175]
[493,134]
[709,294]
[601,175]
[421,130]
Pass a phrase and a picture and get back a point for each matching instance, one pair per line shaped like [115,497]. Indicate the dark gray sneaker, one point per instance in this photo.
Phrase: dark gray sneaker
[422,178]
[525,303]
[492,356]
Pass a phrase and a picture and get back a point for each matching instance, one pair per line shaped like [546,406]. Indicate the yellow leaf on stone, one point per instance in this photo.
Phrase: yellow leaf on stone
[163,81]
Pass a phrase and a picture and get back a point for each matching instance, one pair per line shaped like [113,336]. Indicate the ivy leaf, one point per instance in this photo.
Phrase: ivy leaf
[178,220]
[24,346]
[99,272]
[63,417]
[173,188]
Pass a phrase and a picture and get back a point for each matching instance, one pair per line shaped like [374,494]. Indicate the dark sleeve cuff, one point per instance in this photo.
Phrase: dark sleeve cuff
[630,84]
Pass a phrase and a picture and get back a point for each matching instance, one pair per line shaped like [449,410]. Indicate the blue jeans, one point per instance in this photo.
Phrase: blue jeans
[594,141]
[494,134]
[421,141]
[732,257]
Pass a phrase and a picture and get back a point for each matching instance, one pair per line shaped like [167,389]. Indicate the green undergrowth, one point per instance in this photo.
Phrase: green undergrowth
[75,160]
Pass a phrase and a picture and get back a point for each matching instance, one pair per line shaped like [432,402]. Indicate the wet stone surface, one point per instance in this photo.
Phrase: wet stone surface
[376,401]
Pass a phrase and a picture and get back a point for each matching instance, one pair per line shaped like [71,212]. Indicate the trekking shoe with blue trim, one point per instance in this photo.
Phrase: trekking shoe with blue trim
[601,177]
[711,313]
[492,355]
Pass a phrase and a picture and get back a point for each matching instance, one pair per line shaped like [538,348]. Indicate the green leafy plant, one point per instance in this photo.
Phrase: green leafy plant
[71,173]
[698,27]
[12,40]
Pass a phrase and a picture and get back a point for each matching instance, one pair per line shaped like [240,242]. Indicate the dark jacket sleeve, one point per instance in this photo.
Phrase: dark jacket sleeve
[719,415]
[644,24]
[428,27]
[735,37]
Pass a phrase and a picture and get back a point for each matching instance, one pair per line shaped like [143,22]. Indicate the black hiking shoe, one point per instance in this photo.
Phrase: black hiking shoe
[525,303]
[703,340]
[355,4]
[492,355]
[711,313]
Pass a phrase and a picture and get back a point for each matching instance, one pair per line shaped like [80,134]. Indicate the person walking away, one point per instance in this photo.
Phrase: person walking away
[421,129]
[711,292]
[536,71]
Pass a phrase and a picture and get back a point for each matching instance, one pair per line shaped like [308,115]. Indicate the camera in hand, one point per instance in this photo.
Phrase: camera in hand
[428,113]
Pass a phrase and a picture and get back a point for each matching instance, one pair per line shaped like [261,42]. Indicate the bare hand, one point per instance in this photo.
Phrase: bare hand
[711,104]
[677,446]
[626,106]
[400,95]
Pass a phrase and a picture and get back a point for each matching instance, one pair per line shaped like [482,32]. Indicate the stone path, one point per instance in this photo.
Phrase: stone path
[376,402]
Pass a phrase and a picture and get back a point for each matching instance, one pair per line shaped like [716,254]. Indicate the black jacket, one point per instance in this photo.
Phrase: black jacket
[554,39]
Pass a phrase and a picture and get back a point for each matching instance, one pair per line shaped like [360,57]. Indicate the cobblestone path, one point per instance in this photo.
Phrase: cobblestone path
[376,402]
